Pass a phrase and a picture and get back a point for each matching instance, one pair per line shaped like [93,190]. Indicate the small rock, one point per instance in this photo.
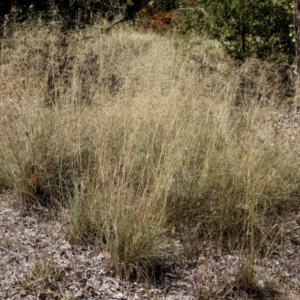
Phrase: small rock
[79,295]
[261,284]
[119,296]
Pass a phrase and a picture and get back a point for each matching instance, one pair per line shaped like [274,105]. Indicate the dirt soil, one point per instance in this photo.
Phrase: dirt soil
[38,263]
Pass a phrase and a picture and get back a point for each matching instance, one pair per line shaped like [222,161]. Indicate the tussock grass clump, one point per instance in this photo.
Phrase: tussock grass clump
[138,139]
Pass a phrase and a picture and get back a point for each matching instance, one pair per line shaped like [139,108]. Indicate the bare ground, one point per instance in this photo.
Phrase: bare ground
[38,263]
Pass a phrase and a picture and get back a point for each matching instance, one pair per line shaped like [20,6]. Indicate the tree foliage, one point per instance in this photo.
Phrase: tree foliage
[71,11]
[245,28]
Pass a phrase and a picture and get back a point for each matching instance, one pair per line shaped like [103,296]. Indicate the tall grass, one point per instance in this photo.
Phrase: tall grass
[137,138]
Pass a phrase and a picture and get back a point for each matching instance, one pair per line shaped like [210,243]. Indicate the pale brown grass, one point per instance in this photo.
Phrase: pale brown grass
[139,139]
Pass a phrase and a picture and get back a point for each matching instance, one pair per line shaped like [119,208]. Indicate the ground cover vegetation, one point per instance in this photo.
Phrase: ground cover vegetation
[136,139]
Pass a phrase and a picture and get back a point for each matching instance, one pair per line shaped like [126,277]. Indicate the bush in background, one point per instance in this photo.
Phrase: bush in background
[245,28]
